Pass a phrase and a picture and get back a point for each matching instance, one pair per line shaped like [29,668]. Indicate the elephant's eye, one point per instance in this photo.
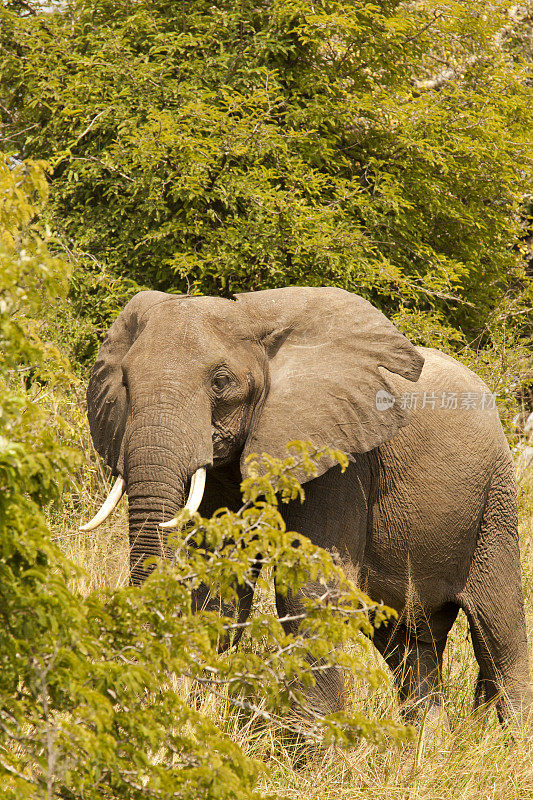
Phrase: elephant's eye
[220,381]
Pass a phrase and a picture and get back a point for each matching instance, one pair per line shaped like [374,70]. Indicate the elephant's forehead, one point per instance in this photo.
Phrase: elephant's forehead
[199,314]
[193,326]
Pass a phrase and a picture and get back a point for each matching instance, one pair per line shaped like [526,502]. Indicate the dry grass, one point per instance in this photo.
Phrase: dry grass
[475,760]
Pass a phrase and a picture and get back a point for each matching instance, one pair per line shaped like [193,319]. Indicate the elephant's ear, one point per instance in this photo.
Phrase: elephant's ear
[329,352]
[107,400]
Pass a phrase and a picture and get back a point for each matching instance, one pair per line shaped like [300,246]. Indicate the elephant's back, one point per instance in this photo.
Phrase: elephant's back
[431,484]
[453,412]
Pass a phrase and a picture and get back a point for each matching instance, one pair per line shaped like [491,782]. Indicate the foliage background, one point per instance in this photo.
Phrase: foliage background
[208,148]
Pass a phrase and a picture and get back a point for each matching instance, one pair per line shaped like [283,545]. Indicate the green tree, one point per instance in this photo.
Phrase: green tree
[215,148]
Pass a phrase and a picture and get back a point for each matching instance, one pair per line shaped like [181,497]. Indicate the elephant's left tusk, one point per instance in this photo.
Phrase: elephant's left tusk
[110,503]
[194,499]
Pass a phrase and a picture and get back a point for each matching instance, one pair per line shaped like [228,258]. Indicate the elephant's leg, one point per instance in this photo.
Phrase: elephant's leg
[222,489]
[493,602]
[334,516]
[245,597]
[416,663]
[416,667]
[204,600]
[327,695]
[501,652]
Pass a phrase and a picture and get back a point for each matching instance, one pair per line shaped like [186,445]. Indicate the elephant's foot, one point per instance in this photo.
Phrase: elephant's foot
[430,715]
[433,736]
[511,698]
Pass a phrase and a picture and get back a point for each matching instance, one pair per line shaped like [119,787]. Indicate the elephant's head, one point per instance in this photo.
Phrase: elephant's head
[185,383]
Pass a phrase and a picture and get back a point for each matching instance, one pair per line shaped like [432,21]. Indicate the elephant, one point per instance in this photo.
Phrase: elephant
[184,388]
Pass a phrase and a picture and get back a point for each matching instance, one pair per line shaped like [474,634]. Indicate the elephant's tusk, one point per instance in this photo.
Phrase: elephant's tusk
[110,503]
[194,499]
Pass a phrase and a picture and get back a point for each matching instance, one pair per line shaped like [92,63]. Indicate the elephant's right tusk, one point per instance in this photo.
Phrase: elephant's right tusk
[194,499]
[110,503]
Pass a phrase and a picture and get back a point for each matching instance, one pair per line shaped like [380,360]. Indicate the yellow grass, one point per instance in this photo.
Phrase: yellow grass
[476,760]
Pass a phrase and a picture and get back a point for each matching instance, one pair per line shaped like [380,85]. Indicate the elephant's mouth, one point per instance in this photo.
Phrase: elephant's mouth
[225,447]
[228,444]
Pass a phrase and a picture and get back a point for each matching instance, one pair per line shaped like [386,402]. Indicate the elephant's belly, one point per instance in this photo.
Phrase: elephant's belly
[419,587]
[422,557]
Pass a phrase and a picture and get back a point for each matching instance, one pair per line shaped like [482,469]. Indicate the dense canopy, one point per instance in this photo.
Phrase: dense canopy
[212,148]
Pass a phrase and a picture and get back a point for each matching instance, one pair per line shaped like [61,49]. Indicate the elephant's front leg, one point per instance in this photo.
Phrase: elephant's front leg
[203,599]
[223,490]
[328,693]
[333,516]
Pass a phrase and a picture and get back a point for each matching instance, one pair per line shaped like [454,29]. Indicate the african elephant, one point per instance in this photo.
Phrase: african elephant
[426,510]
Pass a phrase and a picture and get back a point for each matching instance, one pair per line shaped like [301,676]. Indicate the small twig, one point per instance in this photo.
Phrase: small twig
[18,133]
[17,774]
[103,164]
[88,128]
[436,15]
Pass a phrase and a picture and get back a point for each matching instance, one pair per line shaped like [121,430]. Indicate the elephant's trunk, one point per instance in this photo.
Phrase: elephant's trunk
[162,453]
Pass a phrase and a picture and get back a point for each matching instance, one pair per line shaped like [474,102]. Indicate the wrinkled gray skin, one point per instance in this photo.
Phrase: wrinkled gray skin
[426,511]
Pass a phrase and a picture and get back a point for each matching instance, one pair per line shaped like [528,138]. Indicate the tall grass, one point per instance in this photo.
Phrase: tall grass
[474,760]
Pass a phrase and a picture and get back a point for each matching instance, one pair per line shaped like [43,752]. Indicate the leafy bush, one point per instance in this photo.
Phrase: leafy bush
[88,707]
